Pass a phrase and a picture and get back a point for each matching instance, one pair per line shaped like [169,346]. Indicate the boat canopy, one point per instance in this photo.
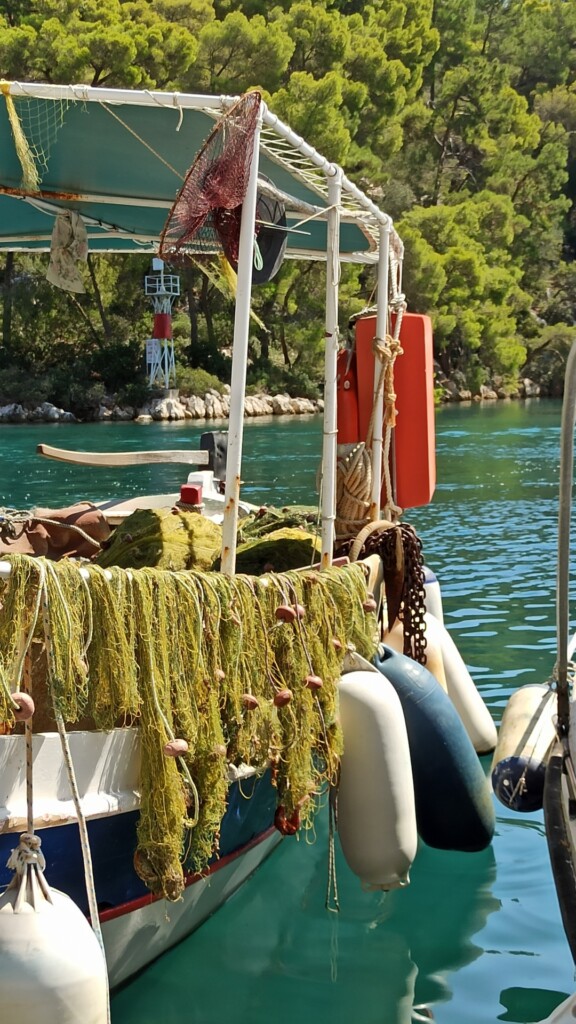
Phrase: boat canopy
[119,157]
[119,161]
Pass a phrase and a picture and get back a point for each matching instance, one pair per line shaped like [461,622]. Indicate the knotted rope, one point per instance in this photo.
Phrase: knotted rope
[354,461]
[27,852]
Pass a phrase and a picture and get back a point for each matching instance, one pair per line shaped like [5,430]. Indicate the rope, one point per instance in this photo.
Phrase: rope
[520,786]
[26,686]
[143,141]
[332,900]
[27,852]
[370,528]
[353,489]
[354,463]
[30,176]
[72,781]
[28,855]
[10,517]
[67,526]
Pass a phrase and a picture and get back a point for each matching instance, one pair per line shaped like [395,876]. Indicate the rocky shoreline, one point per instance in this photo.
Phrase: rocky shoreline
[454,391]
[170,407]
[215,406]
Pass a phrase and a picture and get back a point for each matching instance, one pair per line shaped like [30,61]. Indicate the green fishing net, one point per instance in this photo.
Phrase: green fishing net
[196,656]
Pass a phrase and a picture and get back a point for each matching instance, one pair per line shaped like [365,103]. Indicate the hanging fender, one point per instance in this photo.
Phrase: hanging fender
[376,807]
[526,737]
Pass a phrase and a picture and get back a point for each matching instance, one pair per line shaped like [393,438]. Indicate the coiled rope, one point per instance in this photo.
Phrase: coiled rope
[354,462]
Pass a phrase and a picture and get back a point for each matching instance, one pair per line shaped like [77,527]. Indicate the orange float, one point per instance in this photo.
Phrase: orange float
[413,451]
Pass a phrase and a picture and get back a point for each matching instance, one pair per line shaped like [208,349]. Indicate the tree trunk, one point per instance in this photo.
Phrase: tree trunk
[98,297]
[7,304]
[192,302]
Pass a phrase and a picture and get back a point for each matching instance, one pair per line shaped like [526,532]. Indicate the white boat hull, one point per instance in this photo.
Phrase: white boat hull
[137,933]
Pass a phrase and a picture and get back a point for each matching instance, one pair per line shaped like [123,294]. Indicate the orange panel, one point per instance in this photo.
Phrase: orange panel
[414,444]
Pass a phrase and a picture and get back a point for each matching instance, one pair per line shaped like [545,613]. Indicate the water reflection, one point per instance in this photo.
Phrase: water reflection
[447,904]
[523,1005]
[284,956]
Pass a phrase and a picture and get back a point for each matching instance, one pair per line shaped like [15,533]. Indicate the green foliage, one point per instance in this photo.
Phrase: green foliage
[196,381]
[459,115]
[458,268]
[548,354]
[295,381]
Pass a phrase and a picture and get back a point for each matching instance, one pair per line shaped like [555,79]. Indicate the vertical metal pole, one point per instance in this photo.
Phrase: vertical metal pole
[330,361]
[239,363]
[381,331]
[564,517]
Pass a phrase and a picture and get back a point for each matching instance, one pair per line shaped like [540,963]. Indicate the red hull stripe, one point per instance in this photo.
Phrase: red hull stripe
[189,879]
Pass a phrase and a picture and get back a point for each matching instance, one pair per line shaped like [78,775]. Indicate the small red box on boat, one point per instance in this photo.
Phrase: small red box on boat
[191,494]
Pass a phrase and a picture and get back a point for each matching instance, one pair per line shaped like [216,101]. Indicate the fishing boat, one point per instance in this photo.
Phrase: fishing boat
[165,722]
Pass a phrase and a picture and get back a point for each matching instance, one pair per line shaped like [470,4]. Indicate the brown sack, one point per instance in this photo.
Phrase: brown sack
[78,530]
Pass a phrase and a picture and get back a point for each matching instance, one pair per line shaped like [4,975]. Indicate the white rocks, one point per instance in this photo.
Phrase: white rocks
[13,413]
[216,406]
[46,413]
[282,405]
[167,409]
[530,389]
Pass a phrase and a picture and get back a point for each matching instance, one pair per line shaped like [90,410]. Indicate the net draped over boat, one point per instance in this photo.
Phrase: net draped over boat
[197,656]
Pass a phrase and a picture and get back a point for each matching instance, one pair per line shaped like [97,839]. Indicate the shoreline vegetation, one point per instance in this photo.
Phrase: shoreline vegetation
[173,406]
[457,117]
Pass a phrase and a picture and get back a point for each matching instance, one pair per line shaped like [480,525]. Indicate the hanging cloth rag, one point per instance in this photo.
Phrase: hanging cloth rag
[68,246]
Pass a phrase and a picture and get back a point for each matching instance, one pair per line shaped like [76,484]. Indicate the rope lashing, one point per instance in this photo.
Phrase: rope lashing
[354,464]
[27,852]
[385,350]
[26,857]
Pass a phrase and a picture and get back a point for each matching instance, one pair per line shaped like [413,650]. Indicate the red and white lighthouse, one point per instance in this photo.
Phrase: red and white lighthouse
[162,289]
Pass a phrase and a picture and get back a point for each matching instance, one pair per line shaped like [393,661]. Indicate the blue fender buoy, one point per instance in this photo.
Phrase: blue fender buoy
[527,734]
[454,808]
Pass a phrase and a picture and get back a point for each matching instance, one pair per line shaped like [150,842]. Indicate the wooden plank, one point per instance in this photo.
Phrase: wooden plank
[123,458]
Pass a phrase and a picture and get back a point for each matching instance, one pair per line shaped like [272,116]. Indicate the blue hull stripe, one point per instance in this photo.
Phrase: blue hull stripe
[250,812]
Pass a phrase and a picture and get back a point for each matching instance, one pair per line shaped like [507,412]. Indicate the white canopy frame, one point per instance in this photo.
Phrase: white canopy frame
[321,192]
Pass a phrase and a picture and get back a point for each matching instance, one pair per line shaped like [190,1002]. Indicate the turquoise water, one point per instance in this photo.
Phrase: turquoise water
[476,937]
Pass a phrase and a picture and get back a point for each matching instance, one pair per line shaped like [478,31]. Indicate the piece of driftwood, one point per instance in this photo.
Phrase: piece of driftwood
[123,458]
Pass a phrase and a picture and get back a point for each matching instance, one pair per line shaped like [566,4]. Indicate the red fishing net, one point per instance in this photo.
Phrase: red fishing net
[205,218]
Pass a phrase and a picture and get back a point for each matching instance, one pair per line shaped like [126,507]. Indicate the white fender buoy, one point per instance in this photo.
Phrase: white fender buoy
[432,594]
[52,969]
[462,690]
[527,732]
[434,662]
[563,1014]
[376,808]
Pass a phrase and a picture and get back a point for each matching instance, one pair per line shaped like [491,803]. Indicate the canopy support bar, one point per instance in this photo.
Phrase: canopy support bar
[564,517]
[239,363]
[330,361]
[381,331]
